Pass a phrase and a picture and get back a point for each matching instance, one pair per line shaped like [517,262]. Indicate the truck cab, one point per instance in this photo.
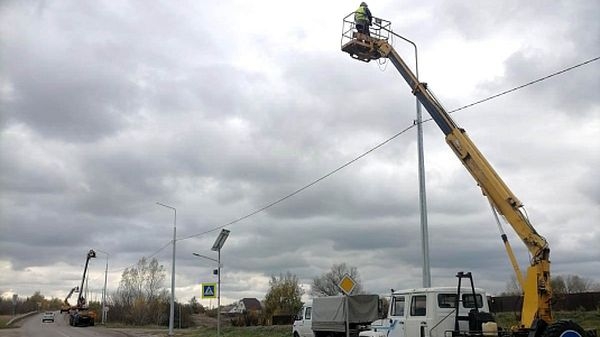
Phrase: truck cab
[302,326]
[428,312]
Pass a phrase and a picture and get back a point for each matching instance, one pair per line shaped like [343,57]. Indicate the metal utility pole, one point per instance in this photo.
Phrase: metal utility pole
[217,247]
[422,189]
[104,293]
[104,289]
[172,306]
[357,51]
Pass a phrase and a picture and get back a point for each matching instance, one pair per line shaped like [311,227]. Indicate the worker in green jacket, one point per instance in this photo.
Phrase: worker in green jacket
[362,18]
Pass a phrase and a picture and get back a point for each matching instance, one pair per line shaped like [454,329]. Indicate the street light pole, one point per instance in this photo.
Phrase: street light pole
[172,306]
[104,290]
[422,190]
[219,293]
[219,242]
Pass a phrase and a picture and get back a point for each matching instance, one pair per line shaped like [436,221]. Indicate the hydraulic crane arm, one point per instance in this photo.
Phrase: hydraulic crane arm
[81,300]
[537,289]
[66,301]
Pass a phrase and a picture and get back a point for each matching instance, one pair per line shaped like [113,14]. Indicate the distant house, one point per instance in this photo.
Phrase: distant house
[246,305]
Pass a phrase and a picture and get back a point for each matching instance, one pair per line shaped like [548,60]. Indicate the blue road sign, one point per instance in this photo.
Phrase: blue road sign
[209,290]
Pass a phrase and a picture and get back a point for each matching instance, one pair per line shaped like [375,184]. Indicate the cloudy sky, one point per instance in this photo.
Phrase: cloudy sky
[107,107]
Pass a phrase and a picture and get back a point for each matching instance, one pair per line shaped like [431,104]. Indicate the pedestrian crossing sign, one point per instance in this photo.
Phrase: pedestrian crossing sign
[209,290]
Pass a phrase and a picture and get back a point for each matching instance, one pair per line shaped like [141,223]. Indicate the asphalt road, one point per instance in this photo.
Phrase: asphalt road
[33,327]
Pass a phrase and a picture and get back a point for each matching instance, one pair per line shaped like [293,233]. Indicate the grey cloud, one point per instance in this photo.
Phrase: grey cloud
[572,19]
[577,90]
[33,168]
[164,103]
[94,108]
[475,21]
[92,81]
[588,184]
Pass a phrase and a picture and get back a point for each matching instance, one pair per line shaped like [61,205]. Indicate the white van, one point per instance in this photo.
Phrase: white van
[429,312]
[302,326]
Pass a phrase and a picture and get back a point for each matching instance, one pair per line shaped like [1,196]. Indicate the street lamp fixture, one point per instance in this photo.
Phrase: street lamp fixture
[220,241]
[205,257]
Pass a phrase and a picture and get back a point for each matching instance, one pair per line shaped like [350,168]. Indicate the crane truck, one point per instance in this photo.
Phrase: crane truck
[536,315]
[81,315]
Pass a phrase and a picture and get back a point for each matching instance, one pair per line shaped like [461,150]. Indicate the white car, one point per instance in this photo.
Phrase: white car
[48,316]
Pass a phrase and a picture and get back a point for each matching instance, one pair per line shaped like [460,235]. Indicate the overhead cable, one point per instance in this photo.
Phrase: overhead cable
[527,84]
[305,187]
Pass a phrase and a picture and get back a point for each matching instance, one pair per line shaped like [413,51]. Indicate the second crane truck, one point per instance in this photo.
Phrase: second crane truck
[81,314]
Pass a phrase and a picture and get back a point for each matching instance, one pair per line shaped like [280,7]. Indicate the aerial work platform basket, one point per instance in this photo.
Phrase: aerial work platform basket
[361,46]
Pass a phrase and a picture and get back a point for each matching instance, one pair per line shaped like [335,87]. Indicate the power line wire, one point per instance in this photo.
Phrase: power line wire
[314,182]
[149,257]
[518,87]
[382,144]
[526,84]
[358,158]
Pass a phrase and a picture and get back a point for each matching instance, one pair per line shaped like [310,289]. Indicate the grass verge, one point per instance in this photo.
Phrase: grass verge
[3,320]
[250,331]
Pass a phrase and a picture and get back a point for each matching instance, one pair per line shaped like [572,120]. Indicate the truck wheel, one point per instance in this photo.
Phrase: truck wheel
[564,329]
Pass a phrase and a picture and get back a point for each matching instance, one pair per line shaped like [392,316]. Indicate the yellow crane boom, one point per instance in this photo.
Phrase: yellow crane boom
[536,285]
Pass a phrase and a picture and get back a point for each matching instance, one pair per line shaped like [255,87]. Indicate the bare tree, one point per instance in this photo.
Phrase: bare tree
[141,295]
[512,287]
[559,286]
[578,284]
[327,284]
